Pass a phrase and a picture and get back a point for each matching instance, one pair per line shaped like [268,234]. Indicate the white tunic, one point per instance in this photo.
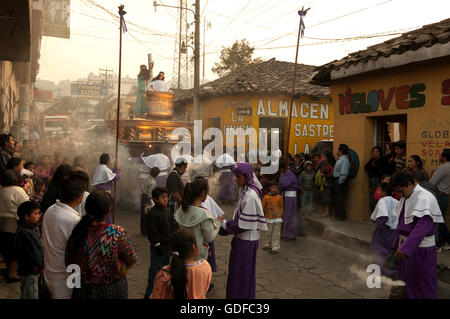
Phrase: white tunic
[57,226]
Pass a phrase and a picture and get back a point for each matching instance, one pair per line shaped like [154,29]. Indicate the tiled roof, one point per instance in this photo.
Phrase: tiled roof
[269,77]
[426,36]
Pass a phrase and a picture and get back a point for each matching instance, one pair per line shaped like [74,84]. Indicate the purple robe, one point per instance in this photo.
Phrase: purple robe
[289,182]
[249,215]
[419,269]
[241,282]
[382,240]
[227,188]
[108,187]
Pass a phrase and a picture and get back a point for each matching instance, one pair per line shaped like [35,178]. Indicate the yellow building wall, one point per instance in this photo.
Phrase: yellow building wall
[312,120]
[427,126]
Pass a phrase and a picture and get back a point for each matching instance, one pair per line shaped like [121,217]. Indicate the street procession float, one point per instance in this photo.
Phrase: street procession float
[149,123]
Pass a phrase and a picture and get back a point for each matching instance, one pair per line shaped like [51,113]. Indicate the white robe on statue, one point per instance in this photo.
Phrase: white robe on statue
[158,85]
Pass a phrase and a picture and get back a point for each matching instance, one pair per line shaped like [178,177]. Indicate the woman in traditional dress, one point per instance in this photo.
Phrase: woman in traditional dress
[247,221]
[102,251]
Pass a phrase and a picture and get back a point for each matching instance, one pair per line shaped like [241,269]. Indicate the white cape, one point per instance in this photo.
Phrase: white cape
[157,160]
[420,203]
[250,211]
[102,175]
[385,208]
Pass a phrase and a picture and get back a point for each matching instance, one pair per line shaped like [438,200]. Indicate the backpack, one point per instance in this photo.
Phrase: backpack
[354,164]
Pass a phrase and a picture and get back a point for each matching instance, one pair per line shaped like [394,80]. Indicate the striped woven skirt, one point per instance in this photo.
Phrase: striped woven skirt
[117,289]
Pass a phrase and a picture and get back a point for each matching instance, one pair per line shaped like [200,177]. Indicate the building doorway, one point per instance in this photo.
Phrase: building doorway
[271,123]
[388,130]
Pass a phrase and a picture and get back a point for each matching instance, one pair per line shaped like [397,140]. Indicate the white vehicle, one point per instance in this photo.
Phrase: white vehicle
[56,125]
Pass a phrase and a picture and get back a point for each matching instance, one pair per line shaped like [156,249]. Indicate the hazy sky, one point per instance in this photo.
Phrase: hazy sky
[267,24]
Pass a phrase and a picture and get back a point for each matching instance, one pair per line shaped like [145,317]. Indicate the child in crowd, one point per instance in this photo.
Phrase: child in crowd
[272,205]
[184,278]
[30,166]
[148,183]
[30,253]
[39,190]
[385,221]
[160,226]
[306,183]
[385,178]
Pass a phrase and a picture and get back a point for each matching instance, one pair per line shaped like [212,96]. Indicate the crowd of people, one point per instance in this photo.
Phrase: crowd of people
[53,215]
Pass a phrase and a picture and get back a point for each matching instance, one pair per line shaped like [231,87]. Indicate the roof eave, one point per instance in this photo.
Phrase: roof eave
[437,50]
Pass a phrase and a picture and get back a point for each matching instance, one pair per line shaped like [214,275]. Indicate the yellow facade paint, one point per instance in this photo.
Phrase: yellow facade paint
[312,120]
[427,126]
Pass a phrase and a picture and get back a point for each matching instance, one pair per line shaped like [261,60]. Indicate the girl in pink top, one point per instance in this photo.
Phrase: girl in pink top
[184,278]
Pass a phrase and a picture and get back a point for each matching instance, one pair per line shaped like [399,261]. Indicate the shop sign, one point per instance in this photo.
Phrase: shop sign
[56,18]
[403,97]
[244,112]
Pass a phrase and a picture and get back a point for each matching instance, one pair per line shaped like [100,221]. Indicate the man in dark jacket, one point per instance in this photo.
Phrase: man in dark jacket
[30,253]
[6,150]
[160,225]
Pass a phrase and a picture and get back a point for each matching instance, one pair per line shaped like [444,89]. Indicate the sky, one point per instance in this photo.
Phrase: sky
[270,26]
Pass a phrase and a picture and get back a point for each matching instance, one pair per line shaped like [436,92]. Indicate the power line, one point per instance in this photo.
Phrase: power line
[117,17]
[332,41]
[117,25]
[329,20]
[239,13]
[204,8]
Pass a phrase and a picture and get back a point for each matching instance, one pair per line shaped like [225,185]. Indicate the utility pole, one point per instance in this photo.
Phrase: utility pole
[179,44]
[301,13]
[196,112]
[121,14]
[186,39]
[205,26]
[204,44]
[106,70]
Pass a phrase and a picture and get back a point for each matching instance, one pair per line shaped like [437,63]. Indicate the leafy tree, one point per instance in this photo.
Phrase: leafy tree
[235,57]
